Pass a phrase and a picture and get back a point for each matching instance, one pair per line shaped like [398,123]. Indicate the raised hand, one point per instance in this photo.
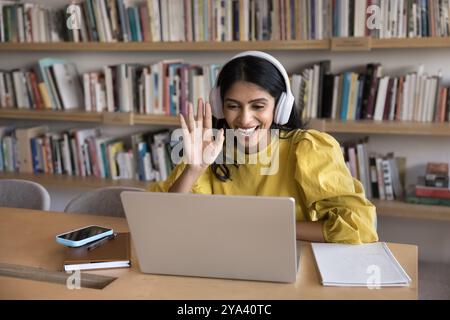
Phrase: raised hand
[200,149]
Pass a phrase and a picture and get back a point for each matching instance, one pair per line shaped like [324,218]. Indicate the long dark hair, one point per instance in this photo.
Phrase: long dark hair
[264,74]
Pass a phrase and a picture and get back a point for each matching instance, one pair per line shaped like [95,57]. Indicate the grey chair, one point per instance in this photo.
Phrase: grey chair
[103,202]
[15,193]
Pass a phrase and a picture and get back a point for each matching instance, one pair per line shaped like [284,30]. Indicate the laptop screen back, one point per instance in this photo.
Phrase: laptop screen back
[236,237]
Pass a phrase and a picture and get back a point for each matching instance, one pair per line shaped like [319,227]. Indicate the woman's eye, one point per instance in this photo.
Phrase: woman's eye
[259,106]
[232,106]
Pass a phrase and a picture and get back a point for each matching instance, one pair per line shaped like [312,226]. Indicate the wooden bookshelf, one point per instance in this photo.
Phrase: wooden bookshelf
[332,126]
[156,119]
[83,116]
[381,127]
[168,46]
[52,115]
[411,43]
[407,210]
[64,181]
[292,45]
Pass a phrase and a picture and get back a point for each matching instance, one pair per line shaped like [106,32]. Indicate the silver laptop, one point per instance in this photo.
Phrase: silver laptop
[234,237]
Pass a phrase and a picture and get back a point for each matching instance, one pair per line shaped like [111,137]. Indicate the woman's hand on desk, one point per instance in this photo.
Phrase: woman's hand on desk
[200,149]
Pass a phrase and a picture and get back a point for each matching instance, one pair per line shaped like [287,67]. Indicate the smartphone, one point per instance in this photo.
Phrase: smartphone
[82,236]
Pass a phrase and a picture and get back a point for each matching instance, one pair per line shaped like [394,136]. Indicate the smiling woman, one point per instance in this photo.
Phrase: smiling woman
[252,101]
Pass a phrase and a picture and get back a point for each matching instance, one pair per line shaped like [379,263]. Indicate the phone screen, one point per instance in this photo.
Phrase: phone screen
[84,233]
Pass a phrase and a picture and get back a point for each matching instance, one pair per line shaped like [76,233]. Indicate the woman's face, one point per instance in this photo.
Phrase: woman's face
[249,111]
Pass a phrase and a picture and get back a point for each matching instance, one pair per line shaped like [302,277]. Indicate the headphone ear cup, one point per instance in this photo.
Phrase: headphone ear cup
[279,109]
[216,103]
[284,108]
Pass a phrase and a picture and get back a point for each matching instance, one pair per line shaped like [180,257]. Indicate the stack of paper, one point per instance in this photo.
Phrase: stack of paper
[371,265]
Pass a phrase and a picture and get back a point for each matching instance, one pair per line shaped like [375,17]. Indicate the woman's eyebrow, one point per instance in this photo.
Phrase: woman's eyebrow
[251,101]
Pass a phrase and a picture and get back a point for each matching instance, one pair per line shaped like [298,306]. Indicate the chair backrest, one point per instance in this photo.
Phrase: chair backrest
[15,193]
[103,201]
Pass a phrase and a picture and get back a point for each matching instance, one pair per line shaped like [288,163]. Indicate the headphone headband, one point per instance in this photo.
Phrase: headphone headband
[285,103]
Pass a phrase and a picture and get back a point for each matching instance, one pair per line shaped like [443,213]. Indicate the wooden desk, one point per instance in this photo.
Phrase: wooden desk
[27,238]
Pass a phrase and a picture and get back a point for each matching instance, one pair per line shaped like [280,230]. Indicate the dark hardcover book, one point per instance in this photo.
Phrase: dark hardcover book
[235,10]
[351,18]
[324,69]
[447,111]
[327,100]
[387,104]
[361,79]
[372,97]
[370,74]
[426,23]
[90,20]
[374,176]
[312,20]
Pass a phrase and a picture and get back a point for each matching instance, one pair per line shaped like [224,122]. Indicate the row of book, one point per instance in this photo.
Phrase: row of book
[165,87]
[143,156]
[222,20]
[371,95]
[50,84]
[30,22]
[382,176]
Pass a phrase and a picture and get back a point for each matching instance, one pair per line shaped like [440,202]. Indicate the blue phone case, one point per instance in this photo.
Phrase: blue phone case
[72,243]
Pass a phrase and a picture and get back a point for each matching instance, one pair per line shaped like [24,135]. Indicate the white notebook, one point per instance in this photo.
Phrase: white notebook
[371,265]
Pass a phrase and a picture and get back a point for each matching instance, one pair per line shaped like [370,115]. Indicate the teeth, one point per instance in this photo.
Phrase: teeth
[246,132]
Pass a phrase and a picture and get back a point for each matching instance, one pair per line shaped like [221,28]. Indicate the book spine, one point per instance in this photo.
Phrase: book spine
[441,193]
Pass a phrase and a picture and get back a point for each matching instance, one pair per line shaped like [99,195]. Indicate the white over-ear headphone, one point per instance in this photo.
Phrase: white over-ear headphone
[284,106]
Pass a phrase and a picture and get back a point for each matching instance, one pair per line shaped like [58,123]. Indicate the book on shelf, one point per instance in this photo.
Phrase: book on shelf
[437,175]
[432,192]
[410,198]
[222,20]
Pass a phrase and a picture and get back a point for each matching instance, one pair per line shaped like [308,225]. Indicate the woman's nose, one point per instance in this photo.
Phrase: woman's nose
[245,117]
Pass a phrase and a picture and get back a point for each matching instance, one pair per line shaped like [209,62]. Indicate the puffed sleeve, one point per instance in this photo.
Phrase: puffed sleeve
[330,193]
[164,186]
[201,186]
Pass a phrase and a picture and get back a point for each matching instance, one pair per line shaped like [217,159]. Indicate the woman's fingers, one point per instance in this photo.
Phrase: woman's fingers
[191,123]
[200,113]
[186,139]
[218,142]
[207,122]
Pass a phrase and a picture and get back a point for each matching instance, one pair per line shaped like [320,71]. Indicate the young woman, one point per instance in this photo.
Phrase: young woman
[251,99]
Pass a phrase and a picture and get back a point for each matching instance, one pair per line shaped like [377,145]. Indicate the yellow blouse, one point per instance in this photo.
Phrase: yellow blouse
[311,170]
